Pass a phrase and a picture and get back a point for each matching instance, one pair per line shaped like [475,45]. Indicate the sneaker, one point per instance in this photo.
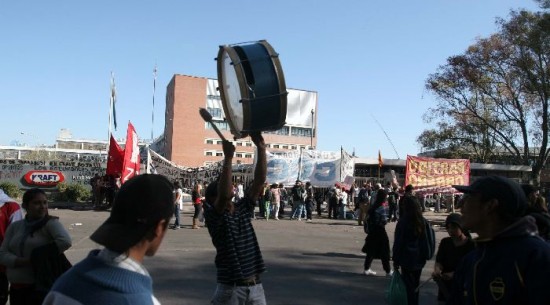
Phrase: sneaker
[369,272]
[389,274]
[299,219]
[276,218]
[309,220]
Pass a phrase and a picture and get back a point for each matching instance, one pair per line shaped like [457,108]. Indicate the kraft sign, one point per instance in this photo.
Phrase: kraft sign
[44,178]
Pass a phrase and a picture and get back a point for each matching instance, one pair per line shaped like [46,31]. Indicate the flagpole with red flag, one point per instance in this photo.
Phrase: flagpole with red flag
[131,163]
[380,163]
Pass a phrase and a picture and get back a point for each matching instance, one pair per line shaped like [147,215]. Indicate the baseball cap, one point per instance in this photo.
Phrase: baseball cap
[506,191]
[454,218]
[139,205]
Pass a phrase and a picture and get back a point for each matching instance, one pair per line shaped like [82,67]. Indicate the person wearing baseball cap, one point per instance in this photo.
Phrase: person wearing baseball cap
[450,252]
[135,229]
[510,264]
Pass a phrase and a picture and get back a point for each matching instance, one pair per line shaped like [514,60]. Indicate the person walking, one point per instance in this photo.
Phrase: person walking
[377,243]
[135,229]
[197,204]
[178,204]
[298,196]
[309,201]
[239,261]
[275,201]
[409,232]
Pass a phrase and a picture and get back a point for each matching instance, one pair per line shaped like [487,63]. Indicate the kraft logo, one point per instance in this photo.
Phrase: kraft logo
[44,178]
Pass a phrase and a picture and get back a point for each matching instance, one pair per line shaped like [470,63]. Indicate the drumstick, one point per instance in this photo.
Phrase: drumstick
[207,117]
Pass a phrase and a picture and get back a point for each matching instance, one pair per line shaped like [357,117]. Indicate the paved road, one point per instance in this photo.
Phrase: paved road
[308,263]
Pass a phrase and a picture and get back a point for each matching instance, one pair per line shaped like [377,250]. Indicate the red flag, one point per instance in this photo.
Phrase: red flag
[115,158]
[131,155]
[380,161]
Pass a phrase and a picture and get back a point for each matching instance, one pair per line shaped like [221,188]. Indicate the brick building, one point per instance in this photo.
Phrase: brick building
[189,141]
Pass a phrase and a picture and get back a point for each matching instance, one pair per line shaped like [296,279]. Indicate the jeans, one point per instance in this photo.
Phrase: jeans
[298,210]
[235,295]
[177,215]
[275,209]
[309,205]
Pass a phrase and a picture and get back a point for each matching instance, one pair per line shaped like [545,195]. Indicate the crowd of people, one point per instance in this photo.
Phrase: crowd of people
[507,263]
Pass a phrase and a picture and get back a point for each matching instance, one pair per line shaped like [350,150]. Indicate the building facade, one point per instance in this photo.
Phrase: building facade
[189,141]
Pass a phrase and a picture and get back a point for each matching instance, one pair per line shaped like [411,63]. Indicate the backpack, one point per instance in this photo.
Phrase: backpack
[268,195]
[427,242]
[363,195]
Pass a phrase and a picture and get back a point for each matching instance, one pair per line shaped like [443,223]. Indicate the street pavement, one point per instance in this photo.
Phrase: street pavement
[318,262]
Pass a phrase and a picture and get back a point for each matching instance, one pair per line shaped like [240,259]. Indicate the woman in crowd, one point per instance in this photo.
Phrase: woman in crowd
[451,250]
[377,244]
[26,245]
[275,201]
[178,204]
[197,204]
[406,246]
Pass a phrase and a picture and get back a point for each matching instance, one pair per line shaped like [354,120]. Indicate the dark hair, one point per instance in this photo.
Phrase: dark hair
[409,188]
[211,192]
[30,195]
[177,185]
[412,212]
[381,196]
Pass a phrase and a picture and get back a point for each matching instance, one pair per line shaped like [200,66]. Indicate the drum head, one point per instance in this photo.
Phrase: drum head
[230,92]
[252,88]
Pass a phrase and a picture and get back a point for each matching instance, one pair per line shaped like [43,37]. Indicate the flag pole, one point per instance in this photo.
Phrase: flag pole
[153,110]
[110,109]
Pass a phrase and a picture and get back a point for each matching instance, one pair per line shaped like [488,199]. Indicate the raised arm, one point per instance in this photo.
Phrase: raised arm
[225,187]
[260,171]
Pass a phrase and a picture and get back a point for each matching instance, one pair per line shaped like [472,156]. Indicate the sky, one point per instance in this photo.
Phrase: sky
[367,60]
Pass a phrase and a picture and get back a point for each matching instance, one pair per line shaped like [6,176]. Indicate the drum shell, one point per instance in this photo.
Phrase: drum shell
[262,88]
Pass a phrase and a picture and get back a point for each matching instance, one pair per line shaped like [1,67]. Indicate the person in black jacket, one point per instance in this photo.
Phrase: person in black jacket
[407,255]
[451,250]
[510,264]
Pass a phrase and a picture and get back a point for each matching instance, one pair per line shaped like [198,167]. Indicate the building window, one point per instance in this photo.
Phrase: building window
[275,145]
[285,146]
[239,155]
[209,153]
[215,112]
[293,147]
[219,142]
[221,125]
[301,132]
[283,131]
[209,141]
[239,143]
[248,156]
[249,144]
[219,154]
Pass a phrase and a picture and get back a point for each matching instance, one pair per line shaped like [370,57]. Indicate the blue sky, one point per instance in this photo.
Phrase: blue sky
[364,58]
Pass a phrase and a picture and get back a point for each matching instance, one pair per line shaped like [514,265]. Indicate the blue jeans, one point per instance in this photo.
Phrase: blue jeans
[300,207]
[235,295]
[177,215]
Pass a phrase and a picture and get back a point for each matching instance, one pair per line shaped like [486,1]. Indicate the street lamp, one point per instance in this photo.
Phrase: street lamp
[312,129]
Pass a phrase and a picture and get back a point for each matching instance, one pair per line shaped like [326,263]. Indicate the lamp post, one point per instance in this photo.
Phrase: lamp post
[312,129]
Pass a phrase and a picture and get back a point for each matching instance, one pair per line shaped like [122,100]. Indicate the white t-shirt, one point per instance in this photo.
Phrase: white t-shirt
[179,195]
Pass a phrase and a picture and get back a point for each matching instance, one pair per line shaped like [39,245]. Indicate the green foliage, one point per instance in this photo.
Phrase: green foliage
[72,192]
[11,189]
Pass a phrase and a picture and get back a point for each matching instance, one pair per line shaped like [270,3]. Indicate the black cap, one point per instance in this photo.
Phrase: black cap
[454,218]
[506,191]
[139,205]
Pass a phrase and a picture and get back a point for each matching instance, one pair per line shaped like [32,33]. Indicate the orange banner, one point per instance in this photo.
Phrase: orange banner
[436,175]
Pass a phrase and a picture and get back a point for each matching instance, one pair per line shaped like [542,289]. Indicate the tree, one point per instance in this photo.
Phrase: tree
[495,96]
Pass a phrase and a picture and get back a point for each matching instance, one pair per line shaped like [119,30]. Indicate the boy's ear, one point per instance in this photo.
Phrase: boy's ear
[162,225]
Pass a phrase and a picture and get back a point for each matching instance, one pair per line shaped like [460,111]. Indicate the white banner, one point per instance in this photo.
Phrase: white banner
[322,169]
[157,164]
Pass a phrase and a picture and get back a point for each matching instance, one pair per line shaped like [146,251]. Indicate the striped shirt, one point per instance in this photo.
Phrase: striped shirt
[238,253]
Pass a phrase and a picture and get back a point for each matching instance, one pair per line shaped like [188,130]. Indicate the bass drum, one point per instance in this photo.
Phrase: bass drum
[252,88]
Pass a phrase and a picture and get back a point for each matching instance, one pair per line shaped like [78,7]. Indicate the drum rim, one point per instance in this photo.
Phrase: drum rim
[241,78]
[234,57]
